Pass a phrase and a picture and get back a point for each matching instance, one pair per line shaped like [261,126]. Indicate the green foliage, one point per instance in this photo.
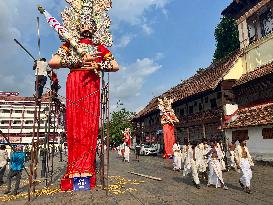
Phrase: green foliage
[227,38]
[119,121]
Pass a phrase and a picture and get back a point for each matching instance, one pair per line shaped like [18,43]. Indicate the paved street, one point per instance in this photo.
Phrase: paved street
[127,189]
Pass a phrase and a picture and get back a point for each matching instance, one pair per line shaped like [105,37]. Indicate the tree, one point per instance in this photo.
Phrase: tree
[227,38]
[119,121]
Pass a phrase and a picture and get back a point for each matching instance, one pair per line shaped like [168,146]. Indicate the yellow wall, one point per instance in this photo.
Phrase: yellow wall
[259,54]
[255,56]
[236,71]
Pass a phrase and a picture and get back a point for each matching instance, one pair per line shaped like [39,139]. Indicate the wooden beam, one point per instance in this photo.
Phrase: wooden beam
[146,176]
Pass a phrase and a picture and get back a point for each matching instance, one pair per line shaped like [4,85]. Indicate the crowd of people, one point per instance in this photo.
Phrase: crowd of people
[206,160]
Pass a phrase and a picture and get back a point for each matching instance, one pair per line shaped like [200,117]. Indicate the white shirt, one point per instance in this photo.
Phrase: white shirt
[42,68]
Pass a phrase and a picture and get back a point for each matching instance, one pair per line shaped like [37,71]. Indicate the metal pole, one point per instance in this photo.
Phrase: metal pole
[108,132]
[102,134]
[24,49]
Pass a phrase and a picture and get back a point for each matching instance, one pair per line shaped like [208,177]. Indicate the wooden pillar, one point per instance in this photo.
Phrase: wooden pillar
[204,130]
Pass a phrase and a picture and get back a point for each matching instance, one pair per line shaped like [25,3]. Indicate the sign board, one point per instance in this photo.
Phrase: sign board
[81,183]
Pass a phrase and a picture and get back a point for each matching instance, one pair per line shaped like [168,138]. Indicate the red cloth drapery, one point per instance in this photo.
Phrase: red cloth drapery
[127,139]
[82,120]
[169,139]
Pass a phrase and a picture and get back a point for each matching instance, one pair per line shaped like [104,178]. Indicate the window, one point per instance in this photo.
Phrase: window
[251,26]
[29,122]
[18,111]
[219,95]
[182,112]
[266,22]
[4,122]
[200,107]
[16,122]
[267,133]
[6,111]
[195,103]
[206,99]
[30,111]
[213,103]
[190,109]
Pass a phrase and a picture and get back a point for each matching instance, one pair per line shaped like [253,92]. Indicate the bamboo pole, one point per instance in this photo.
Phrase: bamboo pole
[146,176]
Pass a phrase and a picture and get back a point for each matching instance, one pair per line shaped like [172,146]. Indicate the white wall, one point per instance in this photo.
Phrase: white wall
[261,149]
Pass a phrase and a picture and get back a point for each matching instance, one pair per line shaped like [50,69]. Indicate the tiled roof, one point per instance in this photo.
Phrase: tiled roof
[203,80]
[257,73]
[21,98]
[259,115]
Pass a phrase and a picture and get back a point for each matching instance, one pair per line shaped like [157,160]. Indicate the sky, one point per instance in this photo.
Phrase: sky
[157,43]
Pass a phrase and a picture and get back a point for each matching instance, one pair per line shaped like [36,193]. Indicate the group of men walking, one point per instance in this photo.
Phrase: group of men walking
[206,160]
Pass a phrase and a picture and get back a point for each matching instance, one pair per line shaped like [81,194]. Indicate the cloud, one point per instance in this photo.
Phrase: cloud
[127,83]
[147,29]
[18,20]
[124,41]
[132,11]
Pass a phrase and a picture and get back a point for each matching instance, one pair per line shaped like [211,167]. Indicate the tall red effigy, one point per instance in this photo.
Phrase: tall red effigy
[168,119]
[86,33]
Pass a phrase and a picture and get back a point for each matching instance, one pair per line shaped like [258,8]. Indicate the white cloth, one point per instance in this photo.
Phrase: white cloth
[177,160]
[232,159]
[184,152]
[119,151]
[201,161]
[215,173]
[126,153]
[221,156]
[42,68]
[176,149]
[3,158]
[191,166]
[247,173]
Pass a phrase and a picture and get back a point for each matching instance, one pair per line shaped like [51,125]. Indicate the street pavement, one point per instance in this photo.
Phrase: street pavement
[128,189]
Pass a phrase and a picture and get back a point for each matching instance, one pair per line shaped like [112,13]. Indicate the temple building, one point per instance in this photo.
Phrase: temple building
[17,118]
[254,89]
[231,98]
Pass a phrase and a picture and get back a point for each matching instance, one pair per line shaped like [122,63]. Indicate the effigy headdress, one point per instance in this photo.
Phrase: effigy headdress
[167,112]
[92,14]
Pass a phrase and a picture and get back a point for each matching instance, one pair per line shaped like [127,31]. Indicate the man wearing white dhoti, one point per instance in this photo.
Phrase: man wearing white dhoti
[244,162]
[191,164]
[201,159]
[215,170]
[177,157]
[221,154]
[126,153]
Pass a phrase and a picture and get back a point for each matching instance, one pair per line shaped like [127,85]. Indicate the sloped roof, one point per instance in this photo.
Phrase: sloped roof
[23,99]
[203,80]
[257,73]
[238,7]
[259,115]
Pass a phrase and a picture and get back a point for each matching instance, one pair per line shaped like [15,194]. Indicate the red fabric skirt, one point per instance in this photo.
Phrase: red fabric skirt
[82,121]
[169,139]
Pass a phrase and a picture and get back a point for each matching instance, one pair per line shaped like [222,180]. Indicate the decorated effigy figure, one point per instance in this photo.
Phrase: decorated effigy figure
[168,119]
[86,34]
[127,136]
